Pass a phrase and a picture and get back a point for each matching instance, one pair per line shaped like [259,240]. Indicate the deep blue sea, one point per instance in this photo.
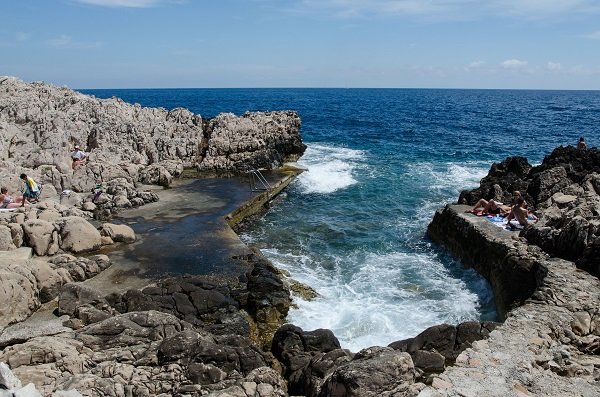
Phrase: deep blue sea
[380,162]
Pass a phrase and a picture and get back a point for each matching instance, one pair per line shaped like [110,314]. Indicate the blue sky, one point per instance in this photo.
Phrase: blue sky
[544,44]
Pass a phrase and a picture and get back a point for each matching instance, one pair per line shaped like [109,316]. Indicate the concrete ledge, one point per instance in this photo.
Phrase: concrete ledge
[257,203]
[491,251]
[549,345]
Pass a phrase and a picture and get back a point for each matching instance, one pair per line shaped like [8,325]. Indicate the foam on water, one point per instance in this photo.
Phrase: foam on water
[374,297]
[329,168]
[390,297]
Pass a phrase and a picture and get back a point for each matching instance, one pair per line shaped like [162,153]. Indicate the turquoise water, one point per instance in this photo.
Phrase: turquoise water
[379,163]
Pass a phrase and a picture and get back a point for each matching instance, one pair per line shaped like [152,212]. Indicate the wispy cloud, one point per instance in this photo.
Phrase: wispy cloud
[66,41]
[123,3]
[22,36]
[594,35]
[553,66]
[475,65]
[514,64]
[451,9]
[541,8]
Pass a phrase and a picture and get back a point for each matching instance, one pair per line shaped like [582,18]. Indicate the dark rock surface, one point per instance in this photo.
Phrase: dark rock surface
[565,192]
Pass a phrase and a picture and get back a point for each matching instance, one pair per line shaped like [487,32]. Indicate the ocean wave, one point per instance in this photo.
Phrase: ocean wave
[329,168]
[388,297]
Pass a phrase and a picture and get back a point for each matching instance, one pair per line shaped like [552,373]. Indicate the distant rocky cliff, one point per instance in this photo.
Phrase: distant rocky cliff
[40,124]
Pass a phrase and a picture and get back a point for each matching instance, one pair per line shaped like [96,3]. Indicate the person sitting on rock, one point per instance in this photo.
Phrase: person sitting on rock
[581,145]
[31,191]
[520,213]
[78,156]
[7,201]
[515,198]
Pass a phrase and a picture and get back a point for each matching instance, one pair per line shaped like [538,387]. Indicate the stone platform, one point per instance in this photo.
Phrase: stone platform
[550,340]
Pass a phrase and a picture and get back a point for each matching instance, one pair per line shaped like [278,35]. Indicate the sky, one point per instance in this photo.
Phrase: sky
[522,44]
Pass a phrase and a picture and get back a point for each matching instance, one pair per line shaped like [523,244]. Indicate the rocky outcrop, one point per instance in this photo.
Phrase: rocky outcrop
[40,123]
[184,335]
[252,141]
[565,192]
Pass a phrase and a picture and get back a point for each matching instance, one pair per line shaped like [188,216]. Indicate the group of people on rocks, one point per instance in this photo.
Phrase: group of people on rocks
[31,191]
[517,209]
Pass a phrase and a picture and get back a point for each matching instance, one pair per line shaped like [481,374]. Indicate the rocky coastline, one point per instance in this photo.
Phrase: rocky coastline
[223,336]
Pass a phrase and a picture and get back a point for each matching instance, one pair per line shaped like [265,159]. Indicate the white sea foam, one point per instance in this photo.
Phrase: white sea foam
[375,298]
[330,168]
[446,181]
[390,297]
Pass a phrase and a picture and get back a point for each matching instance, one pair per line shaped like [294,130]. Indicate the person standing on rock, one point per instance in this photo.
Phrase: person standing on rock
[78,156]
[32,190]
[581,145]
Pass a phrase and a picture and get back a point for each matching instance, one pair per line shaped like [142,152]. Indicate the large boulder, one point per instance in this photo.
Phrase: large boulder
[78,235]
[41,236]
[118,233]
[372,371]
[18,291]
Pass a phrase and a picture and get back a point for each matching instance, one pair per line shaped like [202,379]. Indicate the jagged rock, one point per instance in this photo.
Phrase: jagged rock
[252,141]
[6,239]
[74,295]
[546,345]
[307,357]
[372,371]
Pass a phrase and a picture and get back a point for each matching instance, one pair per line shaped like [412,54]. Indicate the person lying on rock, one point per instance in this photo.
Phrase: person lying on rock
[31,191]
[489,207]
[78,156]
[7,201]
[520,213]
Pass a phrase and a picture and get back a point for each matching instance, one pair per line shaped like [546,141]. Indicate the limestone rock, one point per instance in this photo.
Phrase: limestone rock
[41,236]
[118,233]
[6,240]
[78,235]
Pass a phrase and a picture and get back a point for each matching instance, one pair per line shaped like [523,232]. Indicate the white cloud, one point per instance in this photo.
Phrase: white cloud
[122,3]
[554,66]
[514,64]
[475,64]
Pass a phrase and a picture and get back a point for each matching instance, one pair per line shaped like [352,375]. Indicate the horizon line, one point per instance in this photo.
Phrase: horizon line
[341,88]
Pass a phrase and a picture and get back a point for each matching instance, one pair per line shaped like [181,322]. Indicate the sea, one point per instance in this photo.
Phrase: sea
[379,163]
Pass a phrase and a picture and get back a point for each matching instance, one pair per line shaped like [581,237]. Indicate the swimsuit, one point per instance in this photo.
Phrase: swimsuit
[7,200]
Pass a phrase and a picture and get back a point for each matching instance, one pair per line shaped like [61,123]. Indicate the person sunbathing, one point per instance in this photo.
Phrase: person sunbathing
[520,213]
[8,202]
[489,207]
